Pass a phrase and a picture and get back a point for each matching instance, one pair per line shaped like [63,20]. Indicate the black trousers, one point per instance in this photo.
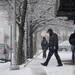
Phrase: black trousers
[44,53]
[73,56]
[51,52]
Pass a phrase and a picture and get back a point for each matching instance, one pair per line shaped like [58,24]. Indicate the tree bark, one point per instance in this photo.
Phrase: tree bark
[31,42]
[21,54]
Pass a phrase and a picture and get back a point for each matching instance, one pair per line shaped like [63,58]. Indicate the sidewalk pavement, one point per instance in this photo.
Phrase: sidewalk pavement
[34,67]
[52,69]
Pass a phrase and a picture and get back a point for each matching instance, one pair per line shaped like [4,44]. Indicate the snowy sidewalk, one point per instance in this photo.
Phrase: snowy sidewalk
[35,67]
[52,68]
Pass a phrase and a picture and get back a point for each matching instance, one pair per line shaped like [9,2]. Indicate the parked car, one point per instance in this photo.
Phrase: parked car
[64,46]
[4,52]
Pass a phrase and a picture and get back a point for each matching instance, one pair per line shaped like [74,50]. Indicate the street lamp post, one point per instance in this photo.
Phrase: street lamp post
[14,65]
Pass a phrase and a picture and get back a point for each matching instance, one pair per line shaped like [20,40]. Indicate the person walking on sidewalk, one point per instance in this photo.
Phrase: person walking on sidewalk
[53,48]
[44,45]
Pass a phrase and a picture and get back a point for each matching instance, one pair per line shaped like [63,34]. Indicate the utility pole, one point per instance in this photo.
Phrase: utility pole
[14,65]
[10,24]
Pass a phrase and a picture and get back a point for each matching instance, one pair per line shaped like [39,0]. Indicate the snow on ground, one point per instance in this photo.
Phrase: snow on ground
[35,68]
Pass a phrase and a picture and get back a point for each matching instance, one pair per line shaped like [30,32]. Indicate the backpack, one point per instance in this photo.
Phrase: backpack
[44,44]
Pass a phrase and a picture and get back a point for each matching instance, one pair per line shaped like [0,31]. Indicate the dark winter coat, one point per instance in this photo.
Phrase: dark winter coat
[53,41]
[44,44]
[72,39]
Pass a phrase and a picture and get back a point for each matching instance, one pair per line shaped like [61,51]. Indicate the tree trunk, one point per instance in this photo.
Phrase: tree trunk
[31,43]
[21,54]
[34,43]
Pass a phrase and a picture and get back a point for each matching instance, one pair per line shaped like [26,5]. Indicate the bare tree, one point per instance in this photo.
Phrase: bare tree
[21,23]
